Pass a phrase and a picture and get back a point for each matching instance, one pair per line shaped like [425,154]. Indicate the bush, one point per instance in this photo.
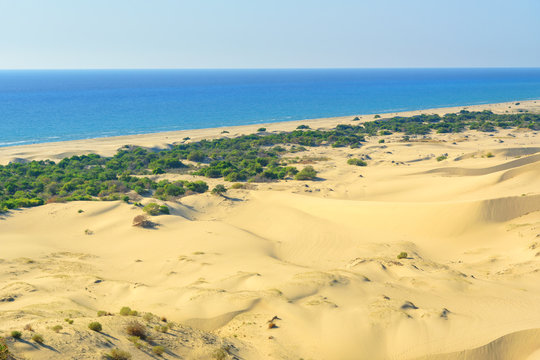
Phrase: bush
[261,129]
[442,157]
[117,354]
[4,351]
[377,117]
[16,334]
[164,210]
[357,162]
[124,311]
[57,328]
[38,338]
[135,328]
[69,321]
[300,127]
[95,326]
[158,350]
[142,221]
[381,141]
[307,173]
[152,209]
[402,255]
[102,313]
[219,190]
[238,186]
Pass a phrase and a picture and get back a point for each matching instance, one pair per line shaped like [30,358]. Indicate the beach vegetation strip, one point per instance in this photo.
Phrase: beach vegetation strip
[255,157]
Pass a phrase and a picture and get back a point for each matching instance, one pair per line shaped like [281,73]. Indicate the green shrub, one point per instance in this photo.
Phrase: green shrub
[95,326]
[38,338]
[69,321]
[4,351]
[124,311]
[238,186]
[442,157]
[301,127]
[57,328]
[117,354]
[377,117]
[161,329]
[219,189]
[307,173]
[489,155]
[261,129]
[164,210]
[102,313]
[148,317]
[357,162]
[381,141]
[158,350]
[16,334]
[152,209]
[402,255]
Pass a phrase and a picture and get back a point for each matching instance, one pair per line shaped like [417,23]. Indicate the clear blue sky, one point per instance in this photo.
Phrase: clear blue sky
[268,34]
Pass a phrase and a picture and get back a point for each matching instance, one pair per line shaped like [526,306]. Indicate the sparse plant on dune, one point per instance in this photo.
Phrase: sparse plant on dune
[38,338]
[16,334]
[357,162]
[403,255]
[95,326]
[158,350]
[142,221]
[135,328]
[4,351]
[125,311]
[442,157]
[57,328]
[307,173]
[219,190]
[117,354]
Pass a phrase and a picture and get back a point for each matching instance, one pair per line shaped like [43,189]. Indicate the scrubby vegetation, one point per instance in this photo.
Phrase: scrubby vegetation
[307,173]
[38,338]
[256,157]
[155,209]
[402,255]
[219,189]
[357,162]
[117,354]
[4,351]
[95,326]
[57,328]
[135,328]
[16,334]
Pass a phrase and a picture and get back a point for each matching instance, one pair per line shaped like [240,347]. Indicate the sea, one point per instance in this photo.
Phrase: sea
[39,106]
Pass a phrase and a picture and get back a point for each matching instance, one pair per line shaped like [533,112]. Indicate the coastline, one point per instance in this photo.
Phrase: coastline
[107,146]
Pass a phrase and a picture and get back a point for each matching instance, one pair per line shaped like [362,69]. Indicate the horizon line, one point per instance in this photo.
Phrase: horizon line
[272,68]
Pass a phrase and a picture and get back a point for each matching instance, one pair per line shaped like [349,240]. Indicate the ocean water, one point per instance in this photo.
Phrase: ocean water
[52,105]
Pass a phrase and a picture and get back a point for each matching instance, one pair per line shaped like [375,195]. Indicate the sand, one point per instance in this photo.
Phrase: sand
[319,255]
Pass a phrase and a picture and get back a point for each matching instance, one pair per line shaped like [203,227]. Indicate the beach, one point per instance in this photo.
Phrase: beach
[431,251]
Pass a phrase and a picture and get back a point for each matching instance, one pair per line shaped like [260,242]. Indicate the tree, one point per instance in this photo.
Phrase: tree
[219,190]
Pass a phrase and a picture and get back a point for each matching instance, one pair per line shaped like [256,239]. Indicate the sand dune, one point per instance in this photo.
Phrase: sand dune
[321,256]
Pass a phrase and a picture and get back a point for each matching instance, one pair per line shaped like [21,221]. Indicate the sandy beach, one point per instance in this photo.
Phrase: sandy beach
[321,256]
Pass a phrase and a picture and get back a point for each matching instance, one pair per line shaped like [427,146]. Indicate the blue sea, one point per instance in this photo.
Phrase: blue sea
[52,105]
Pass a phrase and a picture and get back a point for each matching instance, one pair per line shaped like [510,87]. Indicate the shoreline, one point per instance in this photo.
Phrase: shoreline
[107,146]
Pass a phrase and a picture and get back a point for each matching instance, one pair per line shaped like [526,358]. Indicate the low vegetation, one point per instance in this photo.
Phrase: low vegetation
[255,157]
[135,328]
[357,162]
[4,351]
[307,173]
[95,326]
[402,255]
[117,354]
[38,338]
[57,328]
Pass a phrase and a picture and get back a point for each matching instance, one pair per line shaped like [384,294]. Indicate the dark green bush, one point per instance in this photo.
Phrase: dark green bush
[307,173]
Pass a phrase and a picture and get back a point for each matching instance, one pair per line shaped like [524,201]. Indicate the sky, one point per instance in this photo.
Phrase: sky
[84,34]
